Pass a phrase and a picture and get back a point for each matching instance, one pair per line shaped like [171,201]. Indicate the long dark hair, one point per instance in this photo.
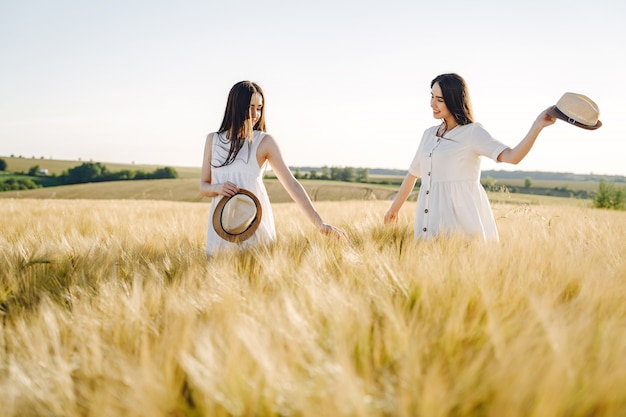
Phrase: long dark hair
[456,96]
[235,126]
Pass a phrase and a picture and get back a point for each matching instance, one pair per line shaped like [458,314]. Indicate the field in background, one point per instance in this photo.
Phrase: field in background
[169,190]
[575,185]
[55,166]
[58,166]
[187,190]
[111,308]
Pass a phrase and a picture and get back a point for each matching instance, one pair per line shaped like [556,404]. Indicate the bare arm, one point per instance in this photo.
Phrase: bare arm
[206,188]
[403,193]
[269,150]
[516,154]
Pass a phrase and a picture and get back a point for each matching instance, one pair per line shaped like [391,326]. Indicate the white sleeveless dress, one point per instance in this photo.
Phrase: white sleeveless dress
[246,173]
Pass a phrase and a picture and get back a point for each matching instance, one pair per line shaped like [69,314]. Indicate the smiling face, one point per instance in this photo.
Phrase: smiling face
[437,103]
[450,100]
[245,111]
[255,114]
[256,107]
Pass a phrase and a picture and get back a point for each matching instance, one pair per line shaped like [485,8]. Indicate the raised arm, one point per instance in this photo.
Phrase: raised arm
[516,154]
[269,150]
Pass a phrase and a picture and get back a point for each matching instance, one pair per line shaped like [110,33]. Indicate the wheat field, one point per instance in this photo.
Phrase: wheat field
[111,308]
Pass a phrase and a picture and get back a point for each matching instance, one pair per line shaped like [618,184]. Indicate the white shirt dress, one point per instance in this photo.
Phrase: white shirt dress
[451,198]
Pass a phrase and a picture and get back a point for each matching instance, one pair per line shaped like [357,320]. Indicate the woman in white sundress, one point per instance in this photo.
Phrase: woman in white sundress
[451,198]
[237,155]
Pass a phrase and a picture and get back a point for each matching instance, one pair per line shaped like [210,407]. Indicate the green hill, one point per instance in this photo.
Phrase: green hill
[179,189]
[56,166]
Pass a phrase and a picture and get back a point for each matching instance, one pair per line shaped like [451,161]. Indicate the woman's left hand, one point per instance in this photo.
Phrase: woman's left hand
[329,230]
[545,119]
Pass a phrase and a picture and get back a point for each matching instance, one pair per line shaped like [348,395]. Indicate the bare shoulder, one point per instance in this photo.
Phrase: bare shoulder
[267,142]
[269,137]
[210,138]
[268,150]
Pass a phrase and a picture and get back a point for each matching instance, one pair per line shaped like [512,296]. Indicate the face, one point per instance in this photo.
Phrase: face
[256,105]
[440,110]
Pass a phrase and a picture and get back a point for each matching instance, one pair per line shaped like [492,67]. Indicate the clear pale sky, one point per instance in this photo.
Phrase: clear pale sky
[347,83]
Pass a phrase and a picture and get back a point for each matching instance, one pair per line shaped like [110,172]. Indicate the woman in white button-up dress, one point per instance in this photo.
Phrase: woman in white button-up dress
[451,198]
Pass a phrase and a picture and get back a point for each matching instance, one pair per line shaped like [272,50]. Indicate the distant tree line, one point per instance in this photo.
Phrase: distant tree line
[84,173]
[500,175]
[97,172]
[16,184]
[551,176]
[608,195]
[490,184]
[347,174]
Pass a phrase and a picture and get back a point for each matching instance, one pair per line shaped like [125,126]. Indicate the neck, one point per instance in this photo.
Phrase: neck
[445,127]
[450,123]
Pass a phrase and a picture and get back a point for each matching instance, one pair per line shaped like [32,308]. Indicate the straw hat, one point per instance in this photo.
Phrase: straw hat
[236,218]
[577,110]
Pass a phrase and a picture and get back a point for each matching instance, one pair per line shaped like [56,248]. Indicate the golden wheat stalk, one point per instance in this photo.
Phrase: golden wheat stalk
[111,308]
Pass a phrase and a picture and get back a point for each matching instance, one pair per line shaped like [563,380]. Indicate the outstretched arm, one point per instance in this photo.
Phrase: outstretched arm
[516,154]
[403,193]
[269,150]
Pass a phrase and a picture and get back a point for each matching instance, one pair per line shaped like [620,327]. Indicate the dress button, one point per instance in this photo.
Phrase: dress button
[429,173]
[426,211]
[427,192]
[424,229]
[430,154]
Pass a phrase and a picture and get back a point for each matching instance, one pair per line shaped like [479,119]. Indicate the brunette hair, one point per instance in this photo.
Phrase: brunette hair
[456,96]
[235,124]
